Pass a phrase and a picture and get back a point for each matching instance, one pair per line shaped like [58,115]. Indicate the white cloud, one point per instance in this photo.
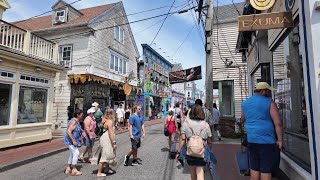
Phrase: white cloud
[19,11]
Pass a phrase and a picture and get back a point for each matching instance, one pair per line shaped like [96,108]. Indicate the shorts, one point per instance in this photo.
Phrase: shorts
[135,143]
[216,127]
[88,142]
[264,158]
[194,161]
[179,125]
[120,119]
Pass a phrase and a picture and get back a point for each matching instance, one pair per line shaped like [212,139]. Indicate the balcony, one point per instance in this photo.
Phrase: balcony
[25,42]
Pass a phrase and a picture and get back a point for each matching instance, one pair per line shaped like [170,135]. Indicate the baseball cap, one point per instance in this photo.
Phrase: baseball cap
[95,104]
[91,110]
[263,85]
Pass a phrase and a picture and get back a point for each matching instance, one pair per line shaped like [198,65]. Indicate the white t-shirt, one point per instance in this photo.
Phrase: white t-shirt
[196,126]
[120,113]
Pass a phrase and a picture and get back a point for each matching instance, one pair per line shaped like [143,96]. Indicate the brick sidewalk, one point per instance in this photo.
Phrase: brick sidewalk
[227,167]
[19,155]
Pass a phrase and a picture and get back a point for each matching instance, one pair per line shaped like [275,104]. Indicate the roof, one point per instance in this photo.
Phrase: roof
[45,22]
[155,52]
[228,13]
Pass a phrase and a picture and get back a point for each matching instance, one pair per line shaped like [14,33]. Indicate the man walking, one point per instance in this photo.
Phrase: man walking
[136,130]
[120,115]
[264,132]
[216,118]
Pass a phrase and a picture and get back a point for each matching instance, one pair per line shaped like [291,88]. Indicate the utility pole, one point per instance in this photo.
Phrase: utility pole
[209,71]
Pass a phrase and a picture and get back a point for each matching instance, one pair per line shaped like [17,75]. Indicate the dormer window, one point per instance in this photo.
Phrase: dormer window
[60,16]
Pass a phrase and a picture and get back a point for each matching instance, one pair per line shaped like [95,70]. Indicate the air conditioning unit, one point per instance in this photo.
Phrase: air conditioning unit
[60,19]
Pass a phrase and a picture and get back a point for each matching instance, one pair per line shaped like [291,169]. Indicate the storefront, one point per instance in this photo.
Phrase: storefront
[177,98]
[279,57]
[26,98]
[86,89]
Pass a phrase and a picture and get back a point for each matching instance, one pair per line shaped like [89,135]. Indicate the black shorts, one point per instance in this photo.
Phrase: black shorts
[194,161]
[216,127]
[264,158]
[135,143]
[179,125]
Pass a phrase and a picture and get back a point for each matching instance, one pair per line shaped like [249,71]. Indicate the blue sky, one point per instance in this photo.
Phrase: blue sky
[167,42]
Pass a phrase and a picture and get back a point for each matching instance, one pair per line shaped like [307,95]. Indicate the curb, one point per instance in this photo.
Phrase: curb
[29,160]
[35,158]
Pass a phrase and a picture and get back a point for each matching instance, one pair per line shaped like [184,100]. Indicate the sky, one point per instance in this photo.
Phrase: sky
[173,33]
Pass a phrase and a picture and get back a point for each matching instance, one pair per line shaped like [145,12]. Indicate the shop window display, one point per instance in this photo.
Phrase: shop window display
[5,101]
[32,105]
[290,98]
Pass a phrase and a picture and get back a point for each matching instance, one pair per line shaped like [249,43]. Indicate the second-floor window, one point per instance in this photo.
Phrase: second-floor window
[119,34]
[60,16]
[65,56]
[118,64]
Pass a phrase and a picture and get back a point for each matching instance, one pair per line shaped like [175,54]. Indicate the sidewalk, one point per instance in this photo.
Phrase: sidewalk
[20,155]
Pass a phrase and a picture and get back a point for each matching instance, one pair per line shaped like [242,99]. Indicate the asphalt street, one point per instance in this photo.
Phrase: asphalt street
[154,154]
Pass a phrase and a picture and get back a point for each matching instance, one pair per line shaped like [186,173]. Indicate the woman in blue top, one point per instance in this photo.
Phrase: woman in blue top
[73,140]
[264,132]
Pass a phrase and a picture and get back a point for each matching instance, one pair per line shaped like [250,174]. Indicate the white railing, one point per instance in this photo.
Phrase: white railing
[26,42]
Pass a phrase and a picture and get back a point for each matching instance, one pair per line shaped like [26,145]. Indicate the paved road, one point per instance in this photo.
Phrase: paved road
[155,163]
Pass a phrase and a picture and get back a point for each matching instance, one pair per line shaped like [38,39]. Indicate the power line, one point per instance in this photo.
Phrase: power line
[153,17]
[162,23]
[183,41]
[199,31]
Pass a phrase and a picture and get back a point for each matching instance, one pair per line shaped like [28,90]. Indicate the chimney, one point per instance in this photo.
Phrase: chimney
[4,5]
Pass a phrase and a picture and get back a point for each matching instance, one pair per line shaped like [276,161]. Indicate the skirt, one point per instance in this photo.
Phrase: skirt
[108,154]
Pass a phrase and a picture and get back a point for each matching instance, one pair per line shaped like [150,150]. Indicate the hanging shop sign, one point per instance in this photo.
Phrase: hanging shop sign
[265,21]
[186,75]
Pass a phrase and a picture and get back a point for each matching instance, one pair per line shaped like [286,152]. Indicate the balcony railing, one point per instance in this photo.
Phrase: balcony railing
[28,43]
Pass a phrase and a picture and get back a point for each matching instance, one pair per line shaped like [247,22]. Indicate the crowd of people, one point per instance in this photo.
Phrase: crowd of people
[195,127]
[76,136]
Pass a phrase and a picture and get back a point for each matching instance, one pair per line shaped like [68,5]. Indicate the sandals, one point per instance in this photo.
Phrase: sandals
[81,159]
[67,171]
[101,175]
[76,173]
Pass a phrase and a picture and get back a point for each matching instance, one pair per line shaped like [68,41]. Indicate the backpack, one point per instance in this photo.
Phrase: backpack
[195,144]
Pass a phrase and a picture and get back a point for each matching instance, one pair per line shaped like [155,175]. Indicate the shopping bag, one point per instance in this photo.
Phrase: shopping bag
[243,162]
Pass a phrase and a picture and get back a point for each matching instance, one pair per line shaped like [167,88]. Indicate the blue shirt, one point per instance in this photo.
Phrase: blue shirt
[136,122]
[259,125]
[76,133]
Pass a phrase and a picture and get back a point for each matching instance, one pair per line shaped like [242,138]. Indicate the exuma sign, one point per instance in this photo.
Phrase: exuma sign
[265,21]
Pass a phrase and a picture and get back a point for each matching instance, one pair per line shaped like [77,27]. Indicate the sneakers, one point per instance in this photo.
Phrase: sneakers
[219,138]
[126,160]
[136,163]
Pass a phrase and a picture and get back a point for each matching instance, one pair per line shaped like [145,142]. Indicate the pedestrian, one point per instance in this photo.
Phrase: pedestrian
[207,113]
[178,114]
[89,134]
[136,131]
[127,116]
[216,119]
[264,132]
[186,113]
[108,144]
[171,109]
[120,115]
[72,139]
[98,113]
[195,125]
[172,125]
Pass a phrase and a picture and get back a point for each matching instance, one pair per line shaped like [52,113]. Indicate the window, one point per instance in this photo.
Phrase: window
[5,102]
[291,101]
[60,16]
[188,93]
[34,79]
[226,98]
[32,105]
[118,64]
[65,53]
[119,34]
[6,74]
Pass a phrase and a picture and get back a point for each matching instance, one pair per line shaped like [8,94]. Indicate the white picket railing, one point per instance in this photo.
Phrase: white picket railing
[28,43]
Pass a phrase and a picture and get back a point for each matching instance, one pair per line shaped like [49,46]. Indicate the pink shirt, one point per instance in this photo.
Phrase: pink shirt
[92,126]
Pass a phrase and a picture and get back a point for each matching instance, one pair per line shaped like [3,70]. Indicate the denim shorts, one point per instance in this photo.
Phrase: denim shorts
[88,142]
[194,161]
[264,158]
[135,143]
